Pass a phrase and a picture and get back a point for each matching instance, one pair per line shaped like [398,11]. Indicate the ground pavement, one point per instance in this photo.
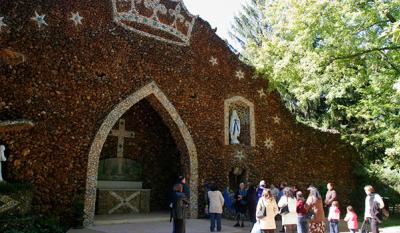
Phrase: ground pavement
[161,224]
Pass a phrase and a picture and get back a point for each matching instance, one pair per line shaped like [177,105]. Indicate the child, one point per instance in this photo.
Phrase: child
[334,217]
[351,219]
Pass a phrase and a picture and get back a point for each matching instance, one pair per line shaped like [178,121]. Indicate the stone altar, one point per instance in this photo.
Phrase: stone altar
[118,192]
[122,197]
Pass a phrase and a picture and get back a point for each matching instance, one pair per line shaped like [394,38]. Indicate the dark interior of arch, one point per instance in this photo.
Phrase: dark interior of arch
[157,159]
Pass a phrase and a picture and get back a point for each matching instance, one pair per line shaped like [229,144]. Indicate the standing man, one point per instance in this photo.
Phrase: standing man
[240,204]
[260,190]
[373,204]
[331,195]
[182,180]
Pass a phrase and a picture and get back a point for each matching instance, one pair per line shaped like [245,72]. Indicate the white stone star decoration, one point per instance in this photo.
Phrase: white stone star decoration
[261,92]
[213,61]
[277,120]
[239,74]
[269,143]
[39,19]
[76,18]
[2,24]
[239,155]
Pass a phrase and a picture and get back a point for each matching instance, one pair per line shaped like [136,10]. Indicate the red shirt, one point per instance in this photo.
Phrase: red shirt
[300,208]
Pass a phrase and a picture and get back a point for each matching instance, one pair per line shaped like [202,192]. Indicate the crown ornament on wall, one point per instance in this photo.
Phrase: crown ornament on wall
[167,20]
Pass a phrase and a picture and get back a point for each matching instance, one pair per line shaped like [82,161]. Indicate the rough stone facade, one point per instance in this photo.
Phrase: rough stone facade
[76,80]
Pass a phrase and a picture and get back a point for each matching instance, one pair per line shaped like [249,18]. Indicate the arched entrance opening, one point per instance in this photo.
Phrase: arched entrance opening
[180,146]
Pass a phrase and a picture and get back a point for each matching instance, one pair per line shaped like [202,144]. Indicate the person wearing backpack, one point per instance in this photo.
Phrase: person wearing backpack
[179,205]
[373,207]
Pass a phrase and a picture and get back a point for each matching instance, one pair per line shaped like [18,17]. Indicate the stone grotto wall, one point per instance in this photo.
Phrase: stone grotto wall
[67,75]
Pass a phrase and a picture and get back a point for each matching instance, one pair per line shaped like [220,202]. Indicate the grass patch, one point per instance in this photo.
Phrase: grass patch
[393,220]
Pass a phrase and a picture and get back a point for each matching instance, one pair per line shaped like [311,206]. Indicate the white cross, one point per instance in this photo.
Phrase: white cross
[121,133]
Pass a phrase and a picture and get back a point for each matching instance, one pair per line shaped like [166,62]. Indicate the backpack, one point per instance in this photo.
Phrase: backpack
[381,213]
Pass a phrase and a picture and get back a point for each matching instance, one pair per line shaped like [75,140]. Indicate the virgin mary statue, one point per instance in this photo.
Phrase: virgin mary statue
[234,128]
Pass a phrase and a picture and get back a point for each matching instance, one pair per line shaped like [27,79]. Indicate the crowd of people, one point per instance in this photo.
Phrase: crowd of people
[264,206]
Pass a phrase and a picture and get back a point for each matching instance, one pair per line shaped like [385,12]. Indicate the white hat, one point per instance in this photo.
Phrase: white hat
[262,183]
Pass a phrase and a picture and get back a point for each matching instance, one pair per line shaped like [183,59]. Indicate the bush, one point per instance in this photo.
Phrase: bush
[9,188]
[32,224]
[21,192]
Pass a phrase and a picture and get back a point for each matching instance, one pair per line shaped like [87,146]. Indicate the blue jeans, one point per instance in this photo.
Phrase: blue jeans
[334,226]
[214,217]
[302,225]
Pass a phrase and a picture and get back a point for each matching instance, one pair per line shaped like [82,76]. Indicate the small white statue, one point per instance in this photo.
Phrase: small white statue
[234,128]
[2,159]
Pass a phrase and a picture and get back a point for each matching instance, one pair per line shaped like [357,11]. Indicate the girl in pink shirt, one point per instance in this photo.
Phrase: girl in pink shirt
[334,217]
[351,219]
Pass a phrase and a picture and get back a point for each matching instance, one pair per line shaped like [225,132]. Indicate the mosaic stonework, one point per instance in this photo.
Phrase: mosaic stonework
[123,202]
[8,203]
[176,22]
[106,127]
[2,24]
[227,105]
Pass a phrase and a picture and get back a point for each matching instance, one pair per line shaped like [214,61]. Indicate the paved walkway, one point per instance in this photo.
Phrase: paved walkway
[160,224]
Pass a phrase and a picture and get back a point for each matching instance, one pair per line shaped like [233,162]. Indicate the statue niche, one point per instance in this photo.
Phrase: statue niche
[239,130]
[239,122]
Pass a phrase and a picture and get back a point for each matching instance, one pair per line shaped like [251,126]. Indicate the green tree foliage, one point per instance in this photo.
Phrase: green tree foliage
[336,64]
[249,25]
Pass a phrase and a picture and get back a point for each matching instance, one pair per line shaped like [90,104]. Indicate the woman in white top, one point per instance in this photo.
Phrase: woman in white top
[267,223]
[216,203]
[289,220]
[373,202]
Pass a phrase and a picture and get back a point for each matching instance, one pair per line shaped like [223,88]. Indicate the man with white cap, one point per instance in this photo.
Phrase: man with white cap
[260,189]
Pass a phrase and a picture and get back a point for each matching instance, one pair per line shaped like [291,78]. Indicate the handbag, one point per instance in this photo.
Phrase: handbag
[256,228]
[262,212]
[284,210]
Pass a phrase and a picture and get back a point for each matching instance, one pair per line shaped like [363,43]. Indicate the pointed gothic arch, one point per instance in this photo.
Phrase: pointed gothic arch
[105,128]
